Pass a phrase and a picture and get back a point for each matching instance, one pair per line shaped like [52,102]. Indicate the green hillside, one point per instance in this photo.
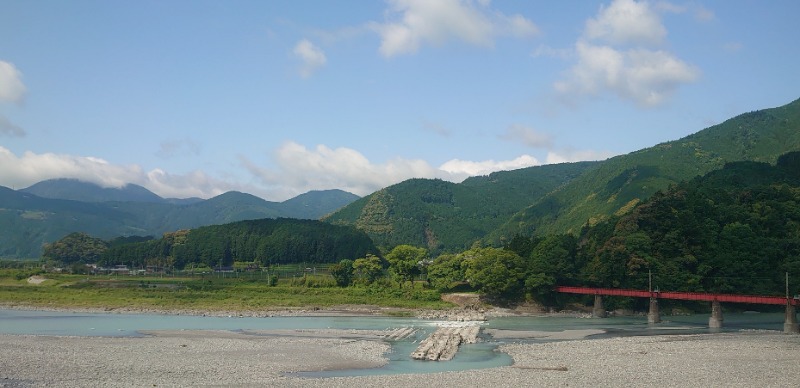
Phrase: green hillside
[27,221]
[265,241]
[76,190]
[735,230]
[315,204]
[444,216]
[619,183]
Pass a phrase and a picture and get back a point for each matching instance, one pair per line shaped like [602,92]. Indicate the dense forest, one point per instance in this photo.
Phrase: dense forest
[52,209]
[619,183]
[734,230]
[449,217]
[265,242]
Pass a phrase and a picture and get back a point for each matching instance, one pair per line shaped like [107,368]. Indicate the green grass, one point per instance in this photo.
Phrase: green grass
[210,294]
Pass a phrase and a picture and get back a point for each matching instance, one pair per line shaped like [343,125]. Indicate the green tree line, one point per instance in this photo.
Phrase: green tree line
[734,230]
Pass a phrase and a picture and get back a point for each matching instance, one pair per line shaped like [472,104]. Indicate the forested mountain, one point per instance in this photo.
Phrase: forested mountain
[735,230]
[265,241]
[441,216]
[623,181]
[28,221]
[563,198]
[77,190]
[444,216]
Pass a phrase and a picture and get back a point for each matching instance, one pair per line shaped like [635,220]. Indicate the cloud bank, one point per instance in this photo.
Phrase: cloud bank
[29,168]
[413,23]
[297,169]
[12,90]
[620,52]
[11,87]
[312,58]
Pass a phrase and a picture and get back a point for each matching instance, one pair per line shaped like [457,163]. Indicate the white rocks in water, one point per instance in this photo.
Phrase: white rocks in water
[443,344]
[459,315]
[401,333]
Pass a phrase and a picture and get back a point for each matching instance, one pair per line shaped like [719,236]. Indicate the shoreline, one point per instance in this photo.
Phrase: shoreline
[454,313]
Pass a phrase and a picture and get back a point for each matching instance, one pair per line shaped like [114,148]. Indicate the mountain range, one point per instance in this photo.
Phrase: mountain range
[562,198]
[439,215]
[49,210]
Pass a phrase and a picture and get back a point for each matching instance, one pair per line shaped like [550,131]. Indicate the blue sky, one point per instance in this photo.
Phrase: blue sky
[276,98]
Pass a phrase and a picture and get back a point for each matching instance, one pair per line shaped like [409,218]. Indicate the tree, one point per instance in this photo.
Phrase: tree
[446,270]
[405,262]
[368,269]
[495,272]
[75,248]
[552,262]
[342,272]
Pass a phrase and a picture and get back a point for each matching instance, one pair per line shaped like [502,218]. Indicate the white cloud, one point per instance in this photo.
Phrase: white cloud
[515,25]
[300,169]
[9,128]
[23,171]
[11,87]
[465,168]
[644,76]
[616,54]
[528,136]
[626,22]
[311,56]
[437,22]
[303,169]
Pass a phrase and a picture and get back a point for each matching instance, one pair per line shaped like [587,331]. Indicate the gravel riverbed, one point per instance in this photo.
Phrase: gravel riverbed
[221,358]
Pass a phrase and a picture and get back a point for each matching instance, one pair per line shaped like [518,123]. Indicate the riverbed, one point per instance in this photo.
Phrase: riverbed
[63,348]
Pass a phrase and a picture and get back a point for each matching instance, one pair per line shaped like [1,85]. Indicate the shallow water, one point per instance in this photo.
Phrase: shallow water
[473,356]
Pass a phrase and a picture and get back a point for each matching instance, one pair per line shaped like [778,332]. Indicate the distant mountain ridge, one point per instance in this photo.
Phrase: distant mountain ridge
[28,221]
[442,216]
[623,181]
[446,216]
[76,190]
[562,198]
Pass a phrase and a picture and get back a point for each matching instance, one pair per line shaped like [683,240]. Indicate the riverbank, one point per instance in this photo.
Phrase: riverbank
[212,358]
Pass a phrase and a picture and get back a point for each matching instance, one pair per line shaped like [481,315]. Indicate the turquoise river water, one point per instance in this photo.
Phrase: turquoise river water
[475,356]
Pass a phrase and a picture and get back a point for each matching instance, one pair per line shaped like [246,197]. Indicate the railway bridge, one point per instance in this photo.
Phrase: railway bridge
[790,324]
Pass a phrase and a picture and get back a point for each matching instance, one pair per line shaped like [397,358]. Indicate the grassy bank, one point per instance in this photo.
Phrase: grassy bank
[204,294]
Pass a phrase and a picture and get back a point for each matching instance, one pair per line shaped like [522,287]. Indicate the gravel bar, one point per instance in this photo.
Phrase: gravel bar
[211,358]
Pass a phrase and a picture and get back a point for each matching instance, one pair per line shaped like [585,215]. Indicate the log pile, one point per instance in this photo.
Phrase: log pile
[443,344]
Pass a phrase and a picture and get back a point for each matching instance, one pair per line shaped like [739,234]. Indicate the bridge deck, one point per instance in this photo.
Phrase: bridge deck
[732,298]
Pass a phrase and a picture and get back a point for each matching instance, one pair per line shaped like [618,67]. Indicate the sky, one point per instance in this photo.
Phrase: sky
[277,98]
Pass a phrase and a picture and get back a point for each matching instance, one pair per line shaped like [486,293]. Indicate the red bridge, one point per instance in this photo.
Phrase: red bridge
[790,324]
[730,298]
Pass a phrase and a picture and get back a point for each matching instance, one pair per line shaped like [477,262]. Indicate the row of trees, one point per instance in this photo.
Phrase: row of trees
[264,242]
[736,230]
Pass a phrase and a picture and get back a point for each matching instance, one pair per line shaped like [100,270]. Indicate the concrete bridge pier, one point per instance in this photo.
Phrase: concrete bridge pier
[790,325]
[715,321]
[653,316]
[598,311]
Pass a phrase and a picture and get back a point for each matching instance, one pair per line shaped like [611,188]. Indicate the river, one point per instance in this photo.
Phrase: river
[475,356]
